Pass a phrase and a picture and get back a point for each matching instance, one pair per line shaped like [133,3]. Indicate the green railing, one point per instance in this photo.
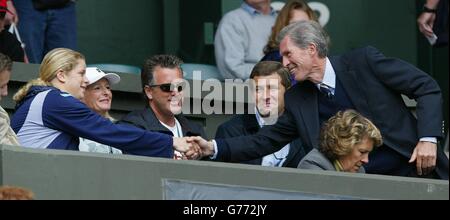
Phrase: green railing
[57,174]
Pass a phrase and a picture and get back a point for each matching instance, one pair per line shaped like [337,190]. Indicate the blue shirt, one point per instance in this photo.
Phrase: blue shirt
[253,11]
[329,77]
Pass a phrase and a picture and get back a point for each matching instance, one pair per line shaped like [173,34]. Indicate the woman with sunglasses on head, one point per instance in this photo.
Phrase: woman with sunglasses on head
[49,113]
[162,84]
[98,97]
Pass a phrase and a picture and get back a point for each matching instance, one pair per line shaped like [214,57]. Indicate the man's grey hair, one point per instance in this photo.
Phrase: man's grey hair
[304,33]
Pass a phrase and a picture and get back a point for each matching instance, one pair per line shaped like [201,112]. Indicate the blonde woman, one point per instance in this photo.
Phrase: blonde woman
[345,143]
[50,114]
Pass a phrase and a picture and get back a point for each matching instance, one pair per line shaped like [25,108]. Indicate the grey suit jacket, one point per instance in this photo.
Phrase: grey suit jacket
[315,160]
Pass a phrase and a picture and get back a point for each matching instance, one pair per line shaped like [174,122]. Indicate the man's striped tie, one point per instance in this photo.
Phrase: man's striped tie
[326,90]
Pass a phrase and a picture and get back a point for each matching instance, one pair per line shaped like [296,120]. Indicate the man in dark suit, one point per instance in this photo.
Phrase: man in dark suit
[364,80]
[270,80]
[162,85]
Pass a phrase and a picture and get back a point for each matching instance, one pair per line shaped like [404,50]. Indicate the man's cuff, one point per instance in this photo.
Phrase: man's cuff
[214,156]
[429,139]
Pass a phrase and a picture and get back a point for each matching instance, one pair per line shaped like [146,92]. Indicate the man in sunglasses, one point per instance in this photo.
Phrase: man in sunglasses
[162,86]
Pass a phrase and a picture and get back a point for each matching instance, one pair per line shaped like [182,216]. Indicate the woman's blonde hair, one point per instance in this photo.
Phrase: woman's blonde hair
[283,20]
[15,193]
[342,132]
[57,59]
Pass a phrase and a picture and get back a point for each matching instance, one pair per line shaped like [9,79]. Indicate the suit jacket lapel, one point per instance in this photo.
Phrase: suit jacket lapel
[152,123]
[250,123]
[351,85]
[185,127]
[309,109]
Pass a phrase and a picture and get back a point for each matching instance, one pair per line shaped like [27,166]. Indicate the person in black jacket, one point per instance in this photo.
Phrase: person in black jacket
[270,82]
[364,80]
[9,45]
[162,85]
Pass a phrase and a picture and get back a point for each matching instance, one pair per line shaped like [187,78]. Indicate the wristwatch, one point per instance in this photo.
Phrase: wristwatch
[428,10]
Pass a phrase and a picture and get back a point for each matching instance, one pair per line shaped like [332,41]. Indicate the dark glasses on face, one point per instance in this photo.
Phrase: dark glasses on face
[169,87]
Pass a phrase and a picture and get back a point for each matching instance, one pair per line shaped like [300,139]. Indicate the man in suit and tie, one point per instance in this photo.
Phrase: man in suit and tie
[270,80]
[364,80]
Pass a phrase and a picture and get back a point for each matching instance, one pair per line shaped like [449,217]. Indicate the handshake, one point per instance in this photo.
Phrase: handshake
[193,148]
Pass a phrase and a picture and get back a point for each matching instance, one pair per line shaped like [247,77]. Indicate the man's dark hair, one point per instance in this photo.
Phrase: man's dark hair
[163,61]
[267,68]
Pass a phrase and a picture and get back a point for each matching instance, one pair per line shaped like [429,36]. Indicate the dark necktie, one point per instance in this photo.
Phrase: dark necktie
[326,90]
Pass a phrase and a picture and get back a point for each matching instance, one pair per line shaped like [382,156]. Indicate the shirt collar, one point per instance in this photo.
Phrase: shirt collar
[177,128]
[338,166]
[329,77]
[253,11]
[259,118]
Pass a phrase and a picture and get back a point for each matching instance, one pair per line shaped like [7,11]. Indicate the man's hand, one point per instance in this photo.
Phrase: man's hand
[195,152]
[11,18]
[425,156]
[188,147]
[181,144]
[425,23]
[206,147]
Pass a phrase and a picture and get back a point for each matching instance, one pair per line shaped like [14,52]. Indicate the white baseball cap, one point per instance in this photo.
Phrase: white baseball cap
[94,74]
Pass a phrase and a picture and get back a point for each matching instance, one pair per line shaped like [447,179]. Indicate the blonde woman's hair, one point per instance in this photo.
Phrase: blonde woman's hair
[342,132]
[57,59]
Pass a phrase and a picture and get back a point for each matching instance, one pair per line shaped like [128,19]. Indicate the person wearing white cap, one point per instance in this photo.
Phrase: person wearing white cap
[50,115]
[98,94]
[98,97]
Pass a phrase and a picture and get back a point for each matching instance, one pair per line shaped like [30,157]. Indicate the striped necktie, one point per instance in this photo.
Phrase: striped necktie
[326,90]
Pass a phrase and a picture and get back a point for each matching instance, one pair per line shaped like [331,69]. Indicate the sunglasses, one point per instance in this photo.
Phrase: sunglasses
[169,87]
